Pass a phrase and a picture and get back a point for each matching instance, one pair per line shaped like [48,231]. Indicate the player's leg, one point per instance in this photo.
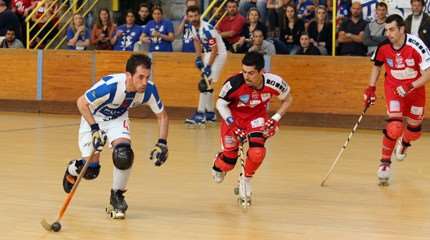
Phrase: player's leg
[414,111]
[225,160]
[74,167]
[217,68]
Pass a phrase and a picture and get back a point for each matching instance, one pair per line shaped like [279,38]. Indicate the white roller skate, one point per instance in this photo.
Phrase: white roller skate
[218,176]
[198,119]
[400,150]
[384,173]
[118,206]
[244,191]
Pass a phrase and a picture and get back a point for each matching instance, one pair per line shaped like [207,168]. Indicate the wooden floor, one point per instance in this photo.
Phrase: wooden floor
[180,201]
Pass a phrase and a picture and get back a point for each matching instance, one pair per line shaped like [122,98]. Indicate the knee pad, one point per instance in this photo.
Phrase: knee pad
[226,160]
[256,154]
[412,133]
[393,129]
[123,156]
[93,171]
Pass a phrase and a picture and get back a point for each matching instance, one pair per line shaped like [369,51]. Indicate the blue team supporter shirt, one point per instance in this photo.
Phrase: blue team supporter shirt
[109,99]
[157,44]
[129,38]
[82,37]
[187,39]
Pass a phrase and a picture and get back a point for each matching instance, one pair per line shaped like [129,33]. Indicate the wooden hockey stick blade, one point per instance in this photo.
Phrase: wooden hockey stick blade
[46,225]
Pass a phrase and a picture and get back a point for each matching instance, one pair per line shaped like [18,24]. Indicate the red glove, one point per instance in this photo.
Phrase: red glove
[369,95]
[271,126]
[239,132]
[403,90]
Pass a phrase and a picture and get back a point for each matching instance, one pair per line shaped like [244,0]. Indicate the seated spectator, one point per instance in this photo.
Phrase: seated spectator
[418,22]
[44,13]
[231,25]
[261,5]
[260,45]
[10,41]
[103,31]
[306,47]
[320,31]
[275,14]
[253,23]
[8,20]
[128,34]
[351,33]
[184,29]
[374,33]
[158,33]
[288,42]
[78,36]
[144,15]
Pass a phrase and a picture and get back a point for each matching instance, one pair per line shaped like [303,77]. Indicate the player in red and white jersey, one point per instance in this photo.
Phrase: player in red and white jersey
[242,104]
[407,62]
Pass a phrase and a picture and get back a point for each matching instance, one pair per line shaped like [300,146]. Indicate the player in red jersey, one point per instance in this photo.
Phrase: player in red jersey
[407,62]
[242,104]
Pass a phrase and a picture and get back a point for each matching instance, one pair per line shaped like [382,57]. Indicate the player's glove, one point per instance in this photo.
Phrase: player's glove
[207,71]
[239,132]
[159,153]
[369,95]
[99,137]
[270,127]
[403,90]
[199,63]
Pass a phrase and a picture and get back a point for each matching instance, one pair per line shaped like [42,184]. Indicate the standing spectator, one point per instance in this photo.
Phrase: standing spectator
[288,42]
[78,36]
[231,25]
[275,13]
[43,13]
[306,46]
[127,34]
[185,29]
[351,33]
[103,31]
[10,41]
[374,33]
[8,20]
[245,5]
[260,45]
[253,23]
[320,31]
[306,10]
[418,23]
[158,33]
[22,8]
[144,15]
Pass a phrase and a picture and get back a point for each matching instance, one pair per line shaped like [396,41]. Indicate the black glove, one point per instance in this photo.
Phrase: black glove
[99,137]
[159,153]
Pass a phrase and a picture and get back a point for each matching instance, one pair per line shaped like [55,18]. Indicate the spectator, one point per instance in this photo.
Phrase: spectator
[260,45]
[127,34]
[418,23]
[275,13]
[22,8]
[103,31]
[44,13]
[231,25]
[78,36]
[253,23]
[320,31]
[374,33]
[8,20]
[144,15]
[10,41]
[306,10]
[306,46]
[288,42]
[185,29]
[351,33]
[158,33]
[261,5]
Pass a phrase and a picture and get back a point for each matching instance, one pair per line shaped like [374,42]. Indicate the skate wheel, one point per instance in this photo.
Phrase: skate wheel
[383,182]
[236,191]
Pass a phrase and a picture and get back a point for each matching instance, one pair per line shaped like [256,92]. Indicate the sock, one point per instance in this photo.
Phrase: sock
[387,147]
[202,103]
[120,178]
[209,102]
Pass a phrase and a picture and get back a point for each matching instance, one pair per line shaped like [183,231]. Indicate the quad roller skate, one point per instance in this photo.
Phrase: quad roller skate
[384,173]
[244,192]
[117,207]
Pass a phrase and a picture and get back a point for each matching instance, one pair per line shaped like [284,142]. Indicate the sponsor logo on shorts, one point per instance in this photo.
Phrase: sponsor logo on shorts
[394,106]
[417,110]
[229,142]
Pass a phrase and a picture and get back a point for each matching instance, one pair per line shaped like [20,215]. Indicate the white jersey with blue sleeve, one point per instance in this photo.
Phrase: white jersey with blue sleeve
[208,36]
[109,99]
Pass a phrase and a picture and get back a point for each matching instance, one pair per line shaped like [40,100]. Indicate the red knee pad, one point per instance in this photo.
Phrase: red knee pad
[256,154]
[412,133]
[226,160]
[394,129]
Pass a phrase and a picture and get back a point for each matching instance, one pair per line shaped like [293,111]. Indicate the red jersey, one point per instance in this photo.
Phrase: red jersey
[402,65]
[247,103]
[21,5]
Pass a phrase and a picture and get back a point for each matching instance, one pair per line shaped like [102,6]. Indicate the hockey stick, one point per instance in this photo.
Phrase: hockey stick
[208,83]
[56,226]
[242,170]
[344,145]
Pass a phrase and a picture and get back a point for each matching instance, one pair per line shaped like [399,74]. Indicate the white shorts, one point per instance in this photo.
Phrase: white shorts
[114,129]
[217,66]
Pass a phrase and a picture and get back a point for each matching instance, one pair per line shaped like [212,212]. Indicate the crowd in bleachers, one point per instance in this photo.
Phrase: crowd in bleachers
[269,26]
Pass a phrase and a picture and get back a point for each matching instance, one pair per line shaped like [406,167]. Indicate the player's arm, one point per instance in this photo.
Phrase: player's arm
[163,123]
[84,109]
[214,52]
[425,77]
[285,104]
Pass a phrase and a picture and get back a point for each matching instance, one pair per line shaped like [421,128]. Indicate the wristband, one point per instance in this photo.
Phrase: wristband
[95,127]
[276,117]
[162,141]
[229,120]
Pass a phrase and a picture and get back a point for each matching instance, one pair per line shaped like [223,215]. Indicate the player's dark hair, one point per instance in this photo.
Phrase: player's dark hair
[423,3]
[193,9]
[382,4]
[137,60]
[254,59]
[395,18]
[232,1]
